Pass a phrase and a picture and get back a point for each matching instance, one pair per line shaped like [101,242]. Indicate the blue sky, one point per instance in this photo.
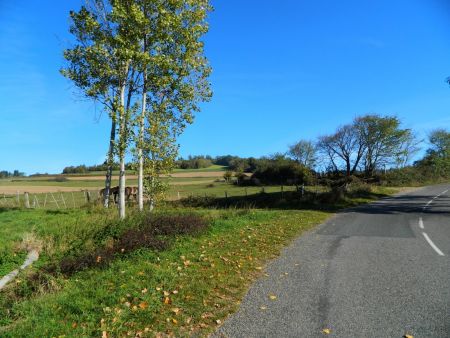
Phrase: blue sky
[283,70]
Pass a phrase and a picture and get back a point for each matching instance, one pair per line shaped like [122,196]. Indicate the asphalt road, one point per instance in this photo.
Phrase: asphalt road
[381,270]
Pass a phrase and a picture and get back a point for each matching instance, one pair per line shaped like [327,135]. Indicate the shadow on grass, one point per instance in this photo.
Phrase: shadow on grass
[327,201]
[358,201]
[6,209]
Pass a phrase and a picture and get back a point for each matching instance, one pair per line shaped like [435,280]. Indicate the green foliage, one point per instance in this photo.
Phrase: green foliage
[281,171]
[304,152]
[194,162]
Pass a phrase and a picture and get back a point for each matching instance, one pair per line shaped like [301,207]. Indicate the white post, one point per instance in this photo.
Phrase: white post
[27,200]
[65,206]
[54,199]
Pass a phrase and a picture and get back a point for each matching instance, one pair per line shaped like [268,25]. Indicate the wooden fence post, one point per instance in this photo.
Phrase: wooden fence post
[64,201]
[27,199]
[178,194]
[18,199]
[73,200]
[54,199]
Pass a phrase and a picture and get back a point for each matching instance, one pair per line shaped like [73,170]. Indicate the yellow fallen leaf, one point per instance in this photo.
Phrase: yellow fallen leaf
[218,321]
[144,290]
[273,297]
[326,331]
[104,334]
[141,273]
[167,300]
[166,293]
[175,310]
[408,336]
[263,307]
[174,321]
[143,305]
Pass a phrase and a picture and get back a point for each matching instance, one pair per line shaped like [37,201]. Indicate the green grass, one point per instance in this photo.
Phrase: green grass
[209,273]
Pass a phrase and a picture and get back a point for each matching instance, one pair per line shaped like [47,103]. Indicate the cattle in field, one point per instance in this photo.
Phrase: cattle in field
[129,192]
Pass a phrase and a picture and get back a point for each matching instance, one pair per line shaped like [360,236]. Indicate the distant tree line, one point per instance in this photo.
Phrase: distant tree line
[373,148]
[7,174]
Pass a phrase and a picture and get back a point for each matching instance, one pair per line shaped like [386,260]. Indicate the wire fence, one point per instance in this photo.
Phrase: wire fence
[50,200]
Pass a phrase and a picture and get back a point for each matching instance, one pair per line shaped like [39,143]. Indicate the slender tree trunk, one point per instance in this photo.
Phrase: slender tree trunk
[110,162]
[141,145]
[122,146]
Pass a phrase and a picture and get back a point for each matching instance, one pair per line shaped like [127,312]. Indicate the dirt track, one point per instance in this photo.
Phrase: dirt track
[204,174]
[36,189]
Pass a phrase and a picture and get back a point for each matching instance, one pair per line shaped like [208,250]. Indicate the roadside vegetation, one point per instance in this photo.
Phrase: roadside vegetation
[180,270]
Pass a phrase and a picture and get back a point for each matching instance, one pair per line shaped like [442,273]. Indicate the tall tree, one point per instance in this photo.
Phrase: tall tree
[175,80]
[304,152]
[99,64]
[344,146]
[384,141]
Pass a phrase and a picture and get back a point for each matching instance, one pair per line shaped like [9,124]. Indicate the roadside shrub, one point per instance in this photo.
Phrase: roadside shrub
[152,232]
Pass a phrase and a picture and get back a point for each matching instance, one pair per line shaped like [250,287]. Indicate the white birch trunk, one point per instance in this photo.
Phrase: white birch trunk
[141,145]
[122,147]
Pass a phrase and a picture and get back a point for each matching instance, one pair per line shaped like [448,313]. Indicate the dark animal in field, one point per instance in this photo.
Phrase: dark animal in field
[129,192]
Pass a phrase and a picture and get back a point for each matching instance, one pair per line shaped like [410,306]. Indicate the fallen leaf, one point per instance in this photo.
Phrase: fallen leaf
[175,292]
[166,293]
[99,258]
[167,300]
[143,305]
[144,290]
[175,310]
[408,336]
[263,307]
[141,273]
[326,331]
[104,334]
[273,297]
[218,321]
[174,321]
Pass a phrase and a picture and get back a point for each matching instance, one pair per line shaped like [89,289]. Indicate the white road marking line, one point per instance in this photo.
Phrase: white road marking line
[421,223]
[435,248]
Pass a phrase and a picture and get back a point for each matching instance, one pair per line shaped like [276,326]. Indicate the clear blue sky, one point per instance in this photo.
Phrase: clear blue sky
[283,70]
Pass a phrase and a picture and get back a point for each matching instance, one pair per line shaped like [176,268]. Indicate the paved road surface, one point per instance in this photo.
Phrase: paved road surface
[381,270]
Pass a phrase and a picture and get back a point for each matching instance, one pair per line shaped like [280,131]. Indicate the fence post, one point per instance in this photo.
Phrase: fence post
[178,193]
[88,196]
[282,191]
[303,189]
[45,201]
[64,201]
[54,199]
[27,200]
[73,200]
[18,199]
[36,202]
